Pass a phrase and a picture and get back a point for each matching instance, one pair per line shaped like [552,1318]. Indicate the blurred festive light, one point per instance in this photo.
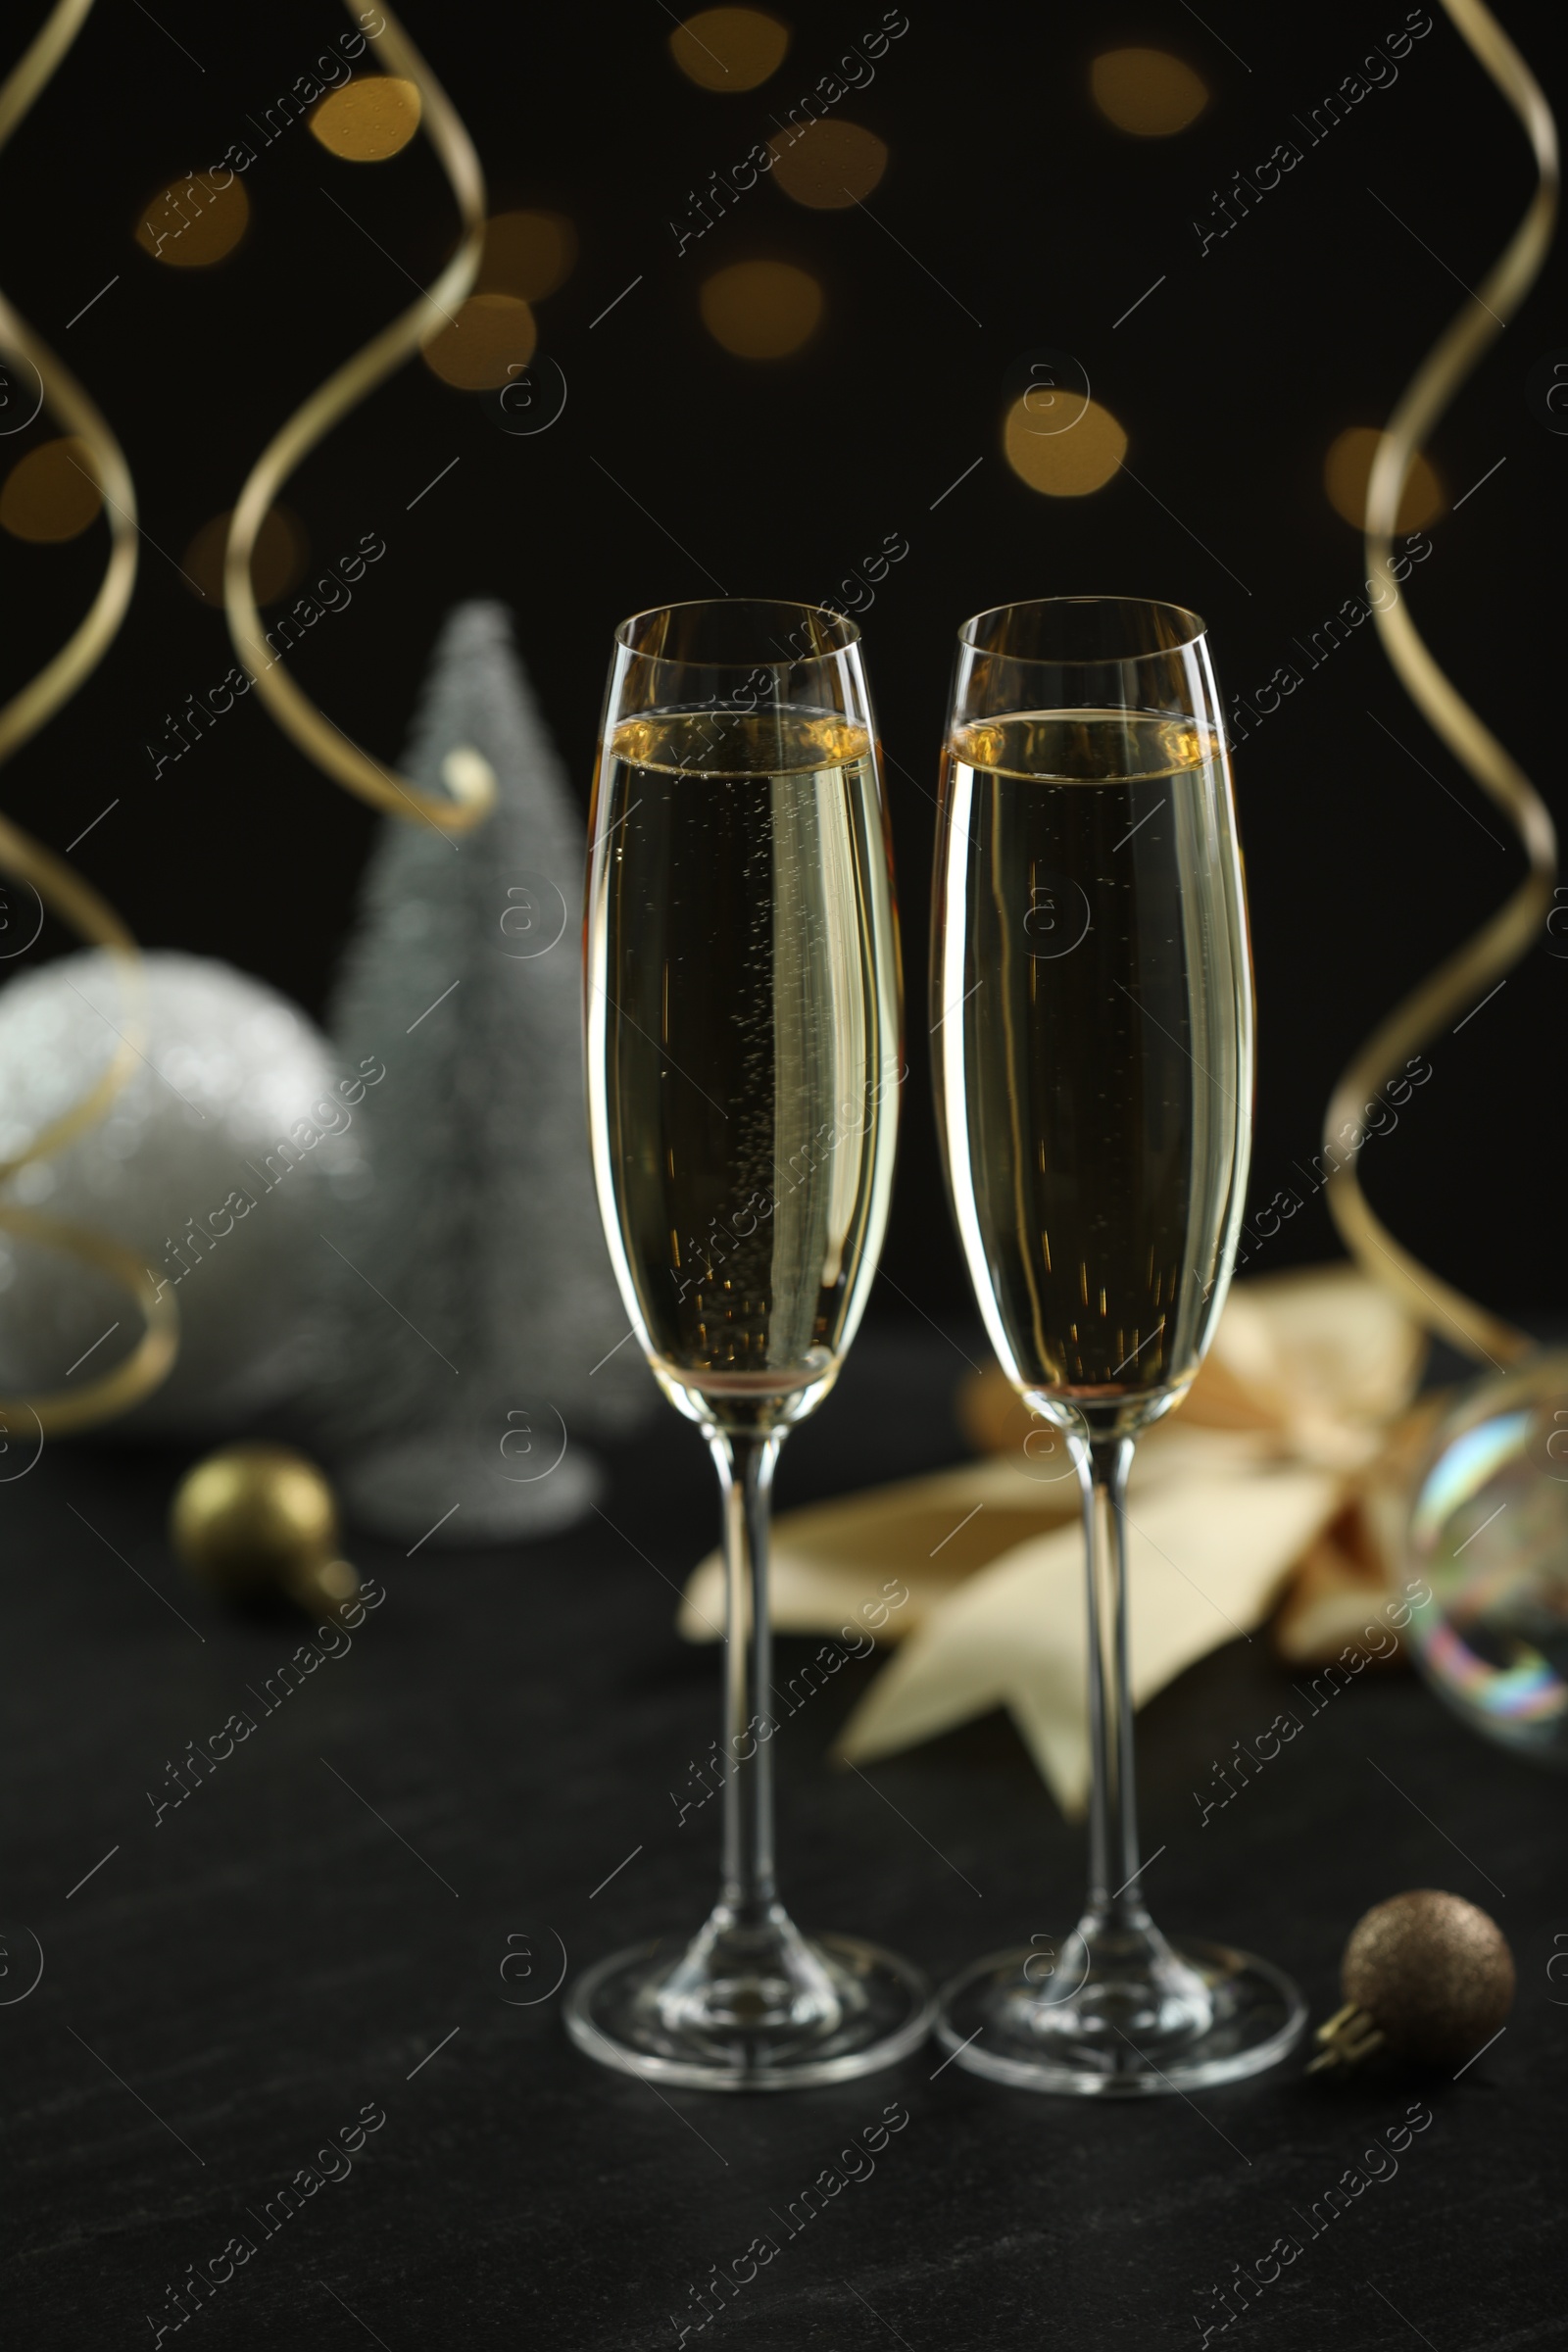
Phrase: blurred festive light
[760,310]
[829,165]
[52,493]
[194,222]
[278,565]
[526,253]
[1147,91]
[1347,471]
[368,118]
[729,48]
[1065,463]
[490,335]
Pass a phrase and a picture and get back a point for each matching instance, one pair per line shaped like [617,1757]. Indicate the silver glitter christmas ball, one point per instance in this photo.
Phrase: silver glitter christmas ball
[216,1162]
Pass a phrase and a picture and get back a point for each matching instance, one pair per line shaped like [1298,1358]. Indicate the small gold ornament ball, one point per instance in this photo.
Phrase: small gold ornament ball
[259,1522]
[1435,1973]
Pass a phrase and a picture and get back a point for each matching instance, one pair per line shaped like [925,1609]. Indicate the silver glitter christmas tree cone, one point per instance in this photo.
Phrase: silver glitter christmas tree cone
[477,1326]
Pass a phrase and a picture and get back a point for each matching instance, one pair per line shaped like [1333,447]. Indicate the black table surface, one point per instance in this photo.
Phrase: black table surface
[316,1937]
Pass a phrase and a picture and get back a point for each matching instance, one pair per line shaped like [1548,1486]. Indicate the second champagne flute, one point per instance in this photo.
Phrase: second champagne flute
[1093,1028]
[742,1044]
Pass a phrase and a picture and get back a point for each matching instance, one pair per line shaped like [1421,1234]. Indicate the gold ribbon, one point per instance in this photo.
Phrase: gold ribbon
[136,1374]
[70,900]
[1284,1475]
[1492,950]
[468,777]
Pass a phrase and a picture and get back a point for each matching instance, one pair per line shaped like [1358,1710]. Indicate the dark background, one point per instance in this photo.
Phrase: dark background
[1037,217]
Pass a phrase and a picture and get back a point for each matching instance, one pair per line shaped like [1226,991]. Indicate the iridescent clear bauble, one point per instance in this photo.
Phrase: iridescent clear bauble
[1488,1532]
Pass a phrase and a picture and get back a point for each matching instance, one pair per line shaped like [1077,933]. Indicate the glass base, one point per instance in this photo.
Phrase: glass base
[1200,2014]
[759,2008]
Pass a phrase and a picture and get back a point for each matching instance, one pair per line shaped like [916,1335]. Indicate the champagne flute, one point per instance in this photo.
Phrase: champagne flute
[743,1044]
[1092,1008]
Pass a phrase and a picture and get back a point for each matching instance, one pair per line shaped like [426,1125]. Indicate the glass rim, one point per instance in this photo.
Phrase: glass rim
[1191,626]
[848,631]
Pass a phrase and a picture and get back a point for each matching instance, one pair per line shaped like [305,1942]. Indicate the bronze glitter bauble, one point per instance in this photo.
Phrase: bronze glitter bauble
[259,1522]
[1428,1974]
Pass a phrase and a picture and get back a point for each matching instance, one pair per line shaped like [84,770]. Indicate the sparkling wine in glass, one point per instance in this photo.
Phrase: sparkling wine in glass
[743,1050]
[1093,1034]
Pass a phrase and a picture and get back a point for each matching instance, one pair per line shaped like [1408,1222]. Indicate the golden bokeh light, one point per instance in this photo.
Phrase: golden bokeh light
[195,222]
[491,335]
[1069,464]
[277,565]
[830,164]
[1347,472]
[1147,91]
[760,310]
[526,253]
[368,118]
[729,48]
[52,493]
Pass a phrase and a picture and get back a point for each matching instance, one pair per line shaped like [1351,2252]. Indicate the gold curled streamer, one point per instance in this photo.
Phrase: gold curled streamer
[466,774]
[115,1391]
[65,894]
[1464,977]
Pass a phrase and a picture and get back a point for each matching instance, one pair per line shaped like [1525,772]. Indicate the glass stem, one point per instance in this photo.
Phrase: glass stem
[746,1462]
[1115,1898]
